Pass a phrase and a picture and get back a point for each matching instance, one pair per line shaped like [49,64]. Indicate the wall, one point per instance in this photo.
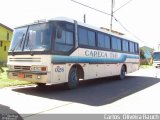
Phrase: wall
[3,53]
[5,42]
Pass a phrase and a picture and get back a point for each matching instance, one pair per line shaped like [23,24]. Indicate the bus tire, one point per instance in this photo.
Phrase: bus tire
[41,85]
[122,73]
[73,80]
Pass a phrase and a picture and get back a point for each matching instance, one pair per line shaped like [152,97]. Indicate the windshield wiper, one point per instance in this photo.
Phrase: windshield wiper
[28,43]
[18,44]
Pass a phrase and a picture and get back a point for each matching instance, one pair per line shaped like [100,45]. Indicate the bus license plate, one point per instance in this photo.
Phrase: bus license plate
[21,75]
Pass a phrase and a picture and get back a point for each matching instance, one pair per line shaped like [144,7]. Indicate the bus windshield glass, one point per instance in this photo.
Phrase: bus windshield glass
[156,56]
[32,38]
[18,39]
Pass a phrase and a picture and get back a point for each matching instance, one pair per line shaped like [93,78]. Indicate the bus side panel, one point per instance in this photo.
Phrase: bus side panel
[100,70]
[132,65]
[108,70]
[129,67]
[59,73]
[95,71]
[68,67]
[91,72]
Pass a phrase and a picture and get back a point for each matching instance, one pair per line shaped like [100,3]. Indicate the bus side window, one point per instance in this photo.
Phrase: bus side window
[69,38]
[136,48]
[83,36]
[86,37]
[101,42]
[125,46]
[116,43]
[131,47]
[107,42]
[91,38]
[64,40]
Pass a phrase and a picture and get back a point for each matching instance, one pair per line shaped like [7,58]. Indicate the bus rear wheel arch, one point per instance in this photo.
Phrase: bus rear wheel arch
[75,74]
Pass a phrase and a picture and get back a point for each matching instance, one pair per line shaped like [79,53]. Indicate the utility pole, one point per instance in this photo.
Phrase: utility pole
[84,18]
[112,2]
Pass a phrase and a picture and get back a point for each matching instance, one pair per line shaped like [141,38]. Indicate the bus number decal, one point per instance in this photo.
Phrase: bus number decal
[59,69]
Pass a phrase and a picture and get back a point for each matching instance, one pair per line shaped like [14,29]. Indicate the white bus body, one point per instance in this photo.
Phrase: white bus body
[66,57]
[156,59]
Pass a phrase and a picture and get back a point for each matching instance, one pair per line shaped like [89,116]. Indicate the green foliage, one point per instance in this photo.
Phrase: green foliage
[5,82]
[146,52]
[142,53]
[145,66]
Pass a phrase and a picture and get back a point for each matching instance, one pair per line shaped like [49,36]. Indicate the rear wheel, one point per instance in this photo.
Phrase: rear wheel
[123,73]
[73,80]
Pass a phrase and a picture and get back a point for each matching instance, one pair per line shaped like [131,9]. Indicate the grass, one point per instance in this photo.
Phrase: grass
[145,66]
[5,82]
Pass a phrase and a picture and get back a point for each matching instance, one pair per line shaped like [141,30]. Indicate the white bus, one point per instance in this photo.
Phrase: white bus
[62,50]
[156,59]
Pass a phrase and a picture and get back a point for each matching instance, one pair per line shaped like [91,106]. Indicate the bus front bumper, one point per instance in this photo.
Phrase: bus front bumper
[31,76]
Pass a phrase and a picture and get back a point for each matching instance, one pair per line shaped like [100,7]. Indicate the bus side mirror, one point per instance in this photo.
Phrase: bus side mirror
[59,33]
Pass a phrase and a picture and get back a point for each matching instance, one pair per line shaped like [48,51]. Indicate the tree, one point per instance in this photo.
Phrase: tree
[142,54]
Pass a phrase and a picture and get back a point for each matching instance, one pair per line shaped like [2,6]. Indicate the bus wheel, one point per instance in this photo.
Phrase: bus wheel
[41,85]
[73,80]
[123,73]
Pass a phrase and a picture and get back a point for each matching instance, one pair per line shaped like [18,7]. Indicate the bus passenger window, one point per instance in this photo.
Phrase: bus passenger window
[125,45]
[101,40]
[107,41]
[91,38]
[136,48]
[131,47]
[64,42]
[69,38]
[83,36]
[116,43]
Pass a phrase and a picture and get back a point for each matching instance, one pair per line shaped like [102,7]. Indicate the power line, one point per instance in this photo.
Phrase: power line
[122,6]
[91,7]
[113,17]
[128,30]
[99,10]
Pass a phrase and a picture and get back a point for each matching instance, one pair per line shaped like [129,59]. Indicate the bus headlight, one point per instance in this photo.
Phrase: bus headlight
[43,69]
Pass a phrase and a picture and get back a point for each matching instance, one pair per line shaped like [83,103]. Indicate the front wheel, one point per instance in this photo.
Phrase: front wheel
[41,85]
[73,80]
[122,73]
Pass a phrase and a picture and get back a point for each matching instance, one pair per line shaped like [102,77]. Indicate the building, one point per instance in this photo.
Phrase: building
[5,39]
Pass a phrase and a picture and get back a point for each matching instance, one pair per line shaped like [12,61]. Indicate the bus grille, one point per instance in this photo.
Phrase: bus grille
[22,67]
[25,59]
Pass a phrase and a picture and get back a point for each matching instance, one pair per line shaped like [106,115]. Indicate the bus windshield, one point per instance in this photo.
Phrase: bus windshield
[156,56]
[31,38]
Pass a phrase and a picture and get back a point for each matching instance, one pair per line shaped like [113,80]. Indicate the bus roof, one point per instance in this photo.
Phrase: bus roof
[81,24]
[91,27]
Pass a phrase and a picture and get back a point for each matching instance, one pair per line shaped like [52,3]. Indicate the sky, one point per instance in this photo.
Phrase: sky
[140,17]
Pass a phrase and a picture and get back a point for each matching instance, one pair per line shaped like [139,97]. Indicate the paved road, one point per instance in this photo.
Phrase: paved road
[138,93]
